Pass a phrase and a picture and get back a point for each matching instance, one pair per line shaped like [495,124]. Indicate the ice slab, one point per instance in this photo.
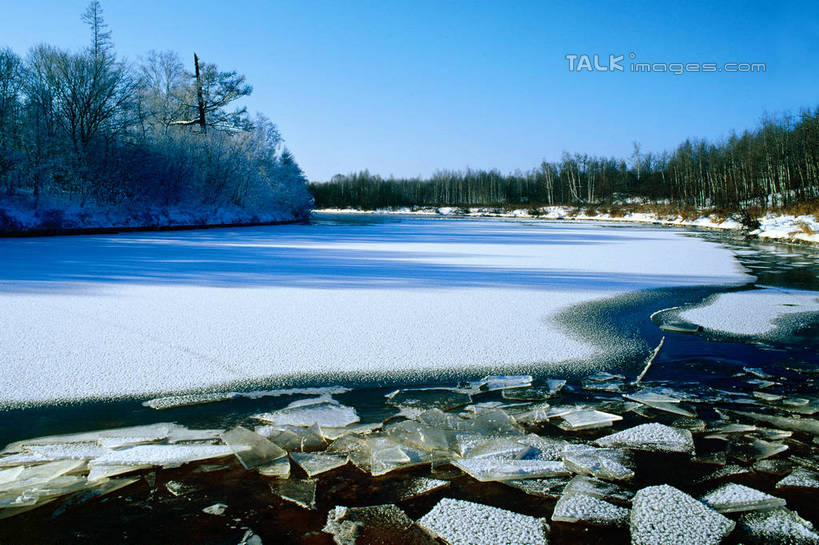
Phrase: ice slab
[250,448]
[551,487]
[603,463]
[42,475]
[581,484]
[437,419]
[728,312]
[114,436]
[186,400]
[546,448]
[362,429]
[98,472]
[217,509]
[321,411]
[167,456]
[178,488]
[428,398]
[492,383]
[587,419]
[279,469]
[460,522]
[549,390]
[302,492]
[579,507]
[778,527]
[295,438]
[488,292]
[478,446]
[11,474]
[499,469]
[407,489]
[800,478]
[651,437]
[653,395]
[373,525]
[755,449]
[731,470]
[663,515]
[417,435]
[805,425]
[495,422]
[68,451]
[316,463]
[733,498]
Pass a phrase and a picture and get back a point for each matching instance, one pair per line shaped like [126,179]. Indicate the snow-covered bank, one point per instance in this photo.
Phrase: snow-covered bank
[19,217]
[781,227]
[136,314]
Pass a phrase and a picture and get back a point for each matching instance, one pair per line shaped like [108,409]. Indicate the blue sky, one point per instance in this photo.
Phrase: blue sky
[409,87]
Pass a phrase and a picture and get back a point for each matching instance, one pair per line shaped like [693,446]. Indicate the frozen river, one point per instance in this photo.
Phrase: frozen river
[147,313]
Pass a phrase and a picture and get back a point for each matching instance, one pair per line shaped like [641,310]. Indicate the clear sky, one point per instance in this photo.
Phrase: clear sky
[405,88]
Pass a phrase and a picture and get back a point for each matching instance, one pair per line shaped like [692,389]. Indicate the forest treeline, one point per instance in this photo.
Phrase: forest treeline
[87,129]
[773,166]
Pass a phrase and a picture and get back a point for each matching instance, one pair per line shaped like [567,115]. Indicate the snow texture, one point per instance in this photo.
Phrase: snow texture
[732,498]
[778,527]
[460,522]
[588,509]
[728,312]
[150,314]
[652,437]
[663,515]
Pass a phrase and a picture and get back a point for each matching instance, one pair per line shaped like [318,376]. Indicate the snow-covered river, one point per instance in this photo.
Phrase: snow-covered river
[401,297]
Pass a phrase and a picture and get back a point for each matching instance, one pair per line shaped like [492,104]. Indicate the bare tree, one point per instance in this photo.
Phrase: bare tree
[213,92]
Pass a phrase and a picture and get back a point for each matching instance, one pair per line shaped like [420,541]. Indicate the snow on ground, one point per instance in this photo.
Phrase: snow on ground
[753,312]
[781,227]
[143,314]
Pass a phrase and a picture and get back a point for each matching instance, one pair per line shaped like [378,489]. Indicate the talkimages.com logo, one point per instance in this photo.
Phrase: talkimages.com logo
[617,63]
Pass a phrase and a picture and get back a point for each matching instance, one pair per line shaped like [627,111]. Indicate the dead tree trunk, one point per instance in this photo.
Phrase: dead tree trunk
[200,97]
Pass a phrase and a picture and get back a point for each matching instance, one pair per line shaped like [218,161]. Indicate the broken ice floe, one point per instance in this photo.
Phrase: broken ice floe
[579,507]
[374,524]
[460,522]
[581,484]
[778,527]
[550,389]
[728,312]
[321,410]
[732,498]
[663,515]
[587,419]
[301,492]
[603,463]
[543,488]
[800,478]
[250,448]
[498,469]
[217,509]
[492,383]
[316,463]
[167,456]
[652,437]
[428,398]
[186,400]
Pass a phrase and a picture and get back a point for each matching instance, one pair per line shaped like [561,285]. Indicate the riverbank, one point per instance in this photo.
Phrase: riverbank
[803,229]
[20,217]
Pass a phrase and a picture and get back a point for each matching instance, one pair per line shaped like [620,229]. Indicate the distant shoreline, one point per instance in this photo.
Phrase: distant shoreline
[773,227]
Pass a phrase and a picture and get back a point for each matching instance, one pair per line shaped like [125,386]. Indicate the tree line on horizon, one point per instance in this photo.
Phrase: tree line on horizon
[775,165]
[89,128]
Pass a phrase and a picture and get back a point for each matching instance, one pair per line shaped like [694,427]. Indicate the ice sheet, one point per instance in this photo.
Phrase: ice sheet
[728,312]
[150,314]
